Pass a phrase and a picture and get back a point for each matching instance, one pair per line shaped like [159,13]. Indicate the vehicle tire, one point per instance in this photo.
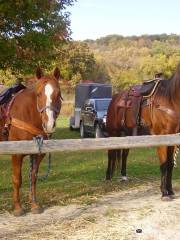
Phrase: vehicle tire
[98,132]
[82,131]
[71,123]
[71,128]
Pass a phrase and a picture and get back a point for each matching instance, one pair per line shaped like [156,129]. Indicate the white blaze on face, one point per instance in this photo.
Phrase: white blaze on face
[49,112]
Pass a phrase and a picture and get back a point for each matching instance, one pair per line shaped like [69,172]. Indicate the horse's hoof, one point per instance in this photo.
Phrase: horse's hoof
[172,196]
[37,210]
[124,178]
[166,198]
[108,178]
[18,212]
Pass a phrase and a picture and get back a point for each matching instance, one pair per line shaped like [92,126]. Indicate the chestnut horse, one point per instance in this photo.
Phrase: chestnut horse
[33,112]
[161,114]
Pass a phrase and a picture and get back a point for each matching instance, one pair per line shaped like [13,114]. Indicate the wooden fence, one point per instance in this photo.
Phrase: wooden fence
[89,144]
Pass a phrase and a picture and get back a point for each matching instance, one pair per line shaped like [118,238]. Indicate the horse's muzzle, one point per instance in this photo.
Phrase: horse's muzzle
[49,129]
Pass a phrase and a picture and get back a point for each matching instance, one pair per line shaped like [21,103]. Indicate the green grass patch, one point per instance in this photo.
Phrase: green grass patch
[79,177]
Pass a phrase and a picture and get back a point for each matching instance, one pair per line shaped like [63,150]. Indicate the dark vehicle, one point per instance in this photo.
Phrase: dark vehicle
[85,93]
[93,117]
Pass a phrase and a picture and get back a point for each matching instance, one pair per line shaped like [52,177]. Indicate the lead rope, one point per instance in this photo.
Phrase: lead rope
[39,142]
[175,155]
[31,165]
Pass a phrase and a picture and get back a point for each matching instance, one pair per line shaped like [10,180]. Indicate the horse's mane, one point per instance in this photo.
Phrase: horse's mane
[169,87]
[30,82]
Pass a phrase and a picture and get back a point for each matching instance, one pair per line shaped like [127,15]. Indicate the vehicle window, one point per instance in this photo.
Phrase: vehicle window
[102,105]
[92,104]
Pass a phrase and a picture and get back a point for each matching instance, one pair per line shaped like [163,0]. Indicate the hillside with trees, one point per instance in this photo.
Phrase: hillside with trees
[129,60]
[38,33]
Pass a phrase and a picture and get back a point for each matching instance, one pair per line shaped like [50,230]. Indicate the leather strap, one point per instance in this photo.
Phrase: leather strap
[26,127]
[168,111]
[153,90]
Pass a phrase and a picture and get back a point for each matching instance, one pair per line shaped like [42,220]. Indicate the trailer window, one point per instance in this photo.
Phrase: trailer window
[102,105]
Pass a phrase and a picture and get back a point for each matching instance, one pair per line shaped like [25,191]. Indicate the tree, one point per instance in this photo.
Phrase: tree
[30,31]
[76,62]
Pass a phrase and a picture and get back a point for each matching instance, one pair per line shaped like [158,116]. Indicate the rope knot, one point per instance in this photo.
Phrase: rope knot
[39,142]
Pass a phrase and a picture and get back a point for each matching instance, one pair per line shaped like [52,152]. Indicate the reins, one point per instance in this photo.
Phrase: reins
[169,111]
[39,142]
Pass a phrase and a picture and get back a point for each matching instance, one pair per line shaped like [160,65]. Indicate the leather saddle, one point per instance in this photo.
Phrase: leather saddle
[8,93]
[131,100]
[149,87]
[6,97]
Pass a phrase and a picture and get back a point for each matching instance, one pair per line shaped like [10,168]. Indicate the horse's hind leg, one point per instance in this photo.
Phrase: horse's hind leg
[35,208]
[17,181]
[125,153]
[170,165]
[162,152]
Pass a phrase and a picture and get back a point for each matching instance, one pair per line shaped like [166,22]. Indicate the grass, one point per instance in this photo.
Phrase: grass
[79,177]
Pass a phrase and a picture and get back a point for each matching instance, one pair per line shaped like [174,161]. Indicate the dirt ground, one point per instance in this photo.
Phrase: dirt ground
[116,216]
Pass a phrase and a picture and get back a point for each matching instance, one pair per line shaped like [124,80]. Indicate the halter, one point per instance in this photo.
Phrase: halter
[52,108]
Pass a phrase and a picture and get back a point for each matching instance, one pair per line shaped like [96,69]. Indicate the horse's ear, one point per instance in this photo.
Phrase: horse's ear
[39,73]
[57,73]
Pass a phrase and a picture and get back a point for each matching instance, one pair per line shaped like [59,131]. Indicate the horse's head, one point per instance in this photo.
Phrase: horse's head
[48,99]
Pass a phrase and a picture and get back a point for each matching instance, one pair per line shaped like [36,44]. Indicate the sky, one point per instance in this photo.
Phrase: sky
[92,19]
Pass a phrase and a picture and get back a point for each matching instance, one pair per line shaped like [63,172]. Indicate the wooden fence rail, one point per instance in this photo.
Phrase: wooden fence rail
[71,145]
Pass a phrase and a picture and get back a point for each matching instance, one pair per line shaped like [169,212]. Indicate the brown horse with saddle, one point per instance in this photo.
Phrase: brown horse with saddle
[153,105]
[30,112]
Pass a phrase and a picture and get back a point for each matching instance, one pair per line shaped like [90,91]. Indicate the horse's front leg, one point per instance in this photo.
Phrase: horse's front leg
[162,153]
[35,162]
[17,181]
[170,166]
[111,164]
[125,153]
